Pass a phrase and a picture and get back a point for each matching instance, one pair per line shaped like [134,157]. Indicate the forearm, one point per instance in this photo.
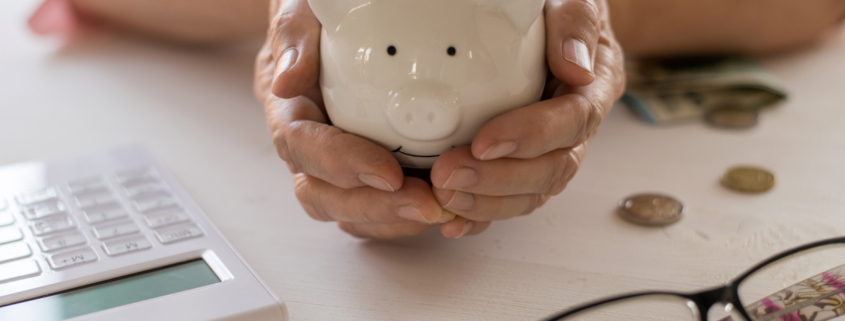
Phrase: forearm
[684,27]
[186,21]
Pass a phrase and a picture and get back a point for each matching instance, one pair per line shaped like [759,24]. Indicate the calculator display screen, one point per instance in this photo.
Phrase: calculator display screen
[113,293]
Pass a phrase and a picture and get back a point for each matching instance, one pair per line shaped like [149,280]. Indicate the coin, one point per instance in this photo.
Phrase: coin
[732,117]
[748,179]
[651,209]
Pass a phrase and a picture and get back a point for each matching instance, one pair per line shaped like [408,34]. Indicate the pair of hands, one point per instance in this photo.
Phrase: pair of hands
[516,162]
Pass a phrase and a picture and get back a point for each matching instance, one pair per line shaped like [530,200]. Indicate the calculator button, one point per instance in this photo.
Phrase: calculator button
[18,270]
[102,215]
[94,201]
[135,176]
[70,258]
[52,225]
[127,245]
[10,234]
[58,242]
[149,205]
[6,218]
[157,220]
[144,190]
[109,231]
[44,210]
[87,186]
[14,251]
[44,195]
[178,233]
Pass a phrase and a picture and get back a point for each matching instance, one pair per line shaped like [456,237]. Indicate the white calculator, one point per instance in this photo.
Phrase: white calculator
[114,237]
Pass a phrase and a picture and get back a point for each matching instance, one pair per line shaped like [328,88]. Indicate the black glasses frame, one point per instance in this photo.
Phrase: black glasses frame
[704,300]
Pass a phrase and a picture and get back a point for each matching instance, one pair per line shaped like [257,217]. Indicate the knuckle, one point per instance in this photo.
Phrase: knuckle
[350,229]
[585,12]
[558,179]
[535,201]
[303,191]
[281,144]
[591,113]
[283,21]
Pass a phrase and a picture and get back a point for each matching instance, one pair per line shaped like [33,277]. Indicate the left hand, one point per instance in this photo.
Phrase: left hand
[519,159]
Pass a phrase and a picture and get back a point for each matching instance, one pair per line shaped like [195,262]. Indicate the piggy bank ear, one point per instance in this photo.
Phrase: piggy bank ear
[522,13]
[330,12]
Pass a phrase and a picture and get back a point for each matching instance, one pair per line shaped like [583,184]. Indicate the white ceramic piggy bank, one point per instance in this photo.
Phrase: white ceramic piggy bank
[422,76]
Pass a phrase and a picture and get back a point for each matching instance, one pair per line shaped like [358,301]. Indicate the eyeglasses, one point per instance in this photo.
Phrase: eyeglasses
[806,283]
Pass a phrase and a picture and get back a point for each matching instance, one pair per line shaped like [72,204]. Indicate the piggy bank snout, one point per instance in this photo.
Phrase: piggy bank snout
[424,111]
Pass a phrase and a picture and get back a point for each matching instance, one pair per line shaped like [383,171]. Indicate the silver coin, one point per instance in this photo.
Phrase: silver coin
[651,209]
[732,117]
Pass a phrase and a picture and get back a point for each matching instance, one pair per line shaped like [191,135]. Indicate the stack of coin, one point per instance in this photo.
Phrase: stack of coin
[748,179]
[651,209]
[732,117]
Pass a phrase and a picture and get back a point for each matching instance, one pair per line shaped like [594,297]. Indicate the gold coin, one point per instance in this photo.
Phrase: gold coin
[748,179]
[732,117]
[651,209]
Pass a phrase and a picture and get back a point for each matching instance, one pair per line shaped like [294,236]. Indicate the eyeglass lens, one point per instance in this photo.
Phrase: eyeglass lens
[809,286]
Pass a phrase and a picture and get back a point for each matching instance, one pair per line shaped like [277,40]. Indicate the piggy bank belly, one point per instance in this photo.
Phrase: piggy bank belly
[391,87]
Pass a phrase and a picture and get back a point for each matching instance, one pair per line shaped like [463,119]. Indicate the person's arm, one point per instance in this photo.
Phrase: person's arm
[685,27]
[183,21]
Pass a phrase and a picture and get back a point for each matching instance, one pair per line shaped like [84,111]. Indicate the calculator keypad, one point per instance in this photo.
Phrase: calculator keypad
[91,185]
[166,218]
[137,243]
[90,202]
[52,225]
[71,258]
[178,233]
[36,197]
[14,251]
[18,270]
[10,234]
[6,218]
[117,229]
[45,209]
[62,241]
[103,215]
[69,222]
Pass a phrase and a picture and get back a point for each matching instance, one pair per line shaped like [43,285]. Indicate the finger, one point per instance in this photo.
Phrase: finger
[484,208]
[384,230]
[294,36]
[572,34]
[457,169]
[565,121]
[326,202]
[462,227]
[310,146]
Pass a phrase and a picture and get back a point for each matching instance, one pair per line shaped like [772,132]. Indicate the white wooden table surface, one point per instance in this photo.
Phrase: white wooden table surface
[196,111]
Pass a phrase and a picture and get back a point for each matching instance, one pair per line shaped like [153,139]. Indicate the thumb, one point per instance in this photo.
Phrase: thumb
[572,34]
[295,42]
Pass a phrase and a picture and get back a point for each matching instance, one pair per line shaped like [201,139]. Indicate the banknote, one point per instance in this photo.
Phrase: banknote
[676,90]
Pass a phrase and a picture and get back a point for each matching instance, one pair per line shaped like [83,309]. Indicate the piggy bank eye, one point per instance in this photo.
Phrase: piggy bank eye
[391,50]
[451,51]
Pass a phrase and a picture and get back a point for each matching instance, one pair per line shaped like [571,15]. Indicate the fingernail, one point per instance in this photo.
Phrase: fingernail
[286,62]
[498,150]
[461,177]
[446,217]
[575,51]
[460,201]
[375,182]
[467,227]
[412,213]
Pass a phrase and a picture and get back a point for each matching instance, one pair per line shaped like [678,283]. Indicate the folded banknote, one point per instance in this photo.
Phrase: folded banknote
[669,91]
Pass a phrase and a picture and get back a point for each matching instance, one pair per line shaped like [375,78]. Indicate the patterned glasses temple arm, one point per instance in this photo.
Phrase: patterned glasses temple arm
[819,298]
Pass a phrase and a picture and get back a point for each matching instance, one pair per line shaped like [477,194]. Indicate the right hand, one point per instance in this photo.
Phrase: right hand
[338,176]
